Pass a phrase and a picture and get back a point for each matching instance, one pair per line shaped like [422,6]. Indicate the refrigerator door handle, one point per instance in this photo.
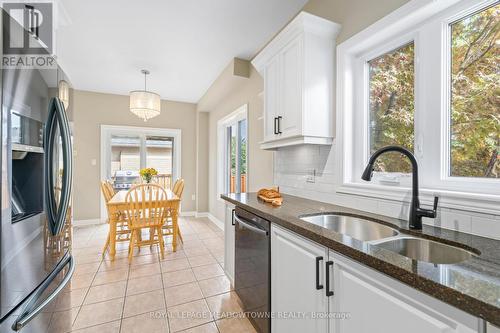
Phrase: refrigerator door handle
[32,309]
[56,214]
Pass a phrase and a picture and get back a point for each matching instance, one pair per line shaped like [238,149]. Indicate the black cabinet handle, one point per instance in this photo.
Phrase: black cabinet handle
[276,125]
[232,217]
[279,125]
[328,291]
[318,286]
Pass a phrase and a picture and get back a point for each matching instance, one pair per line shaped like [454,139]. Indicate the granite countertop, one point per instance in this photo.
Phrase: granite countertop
[472,285]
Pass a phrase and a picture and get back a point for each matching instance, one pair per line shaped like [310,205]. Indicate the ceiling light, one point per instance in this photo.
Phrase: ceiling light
[144,104]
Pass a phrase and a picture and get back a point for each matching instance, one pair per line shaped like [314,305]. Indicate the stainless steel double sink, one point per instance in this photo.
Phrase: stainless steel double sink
[390,239]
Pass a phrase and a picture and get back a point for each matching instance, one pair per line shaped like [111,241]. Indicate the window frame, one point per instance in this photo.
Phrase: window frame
[427,23]
[142,132]
[223,148]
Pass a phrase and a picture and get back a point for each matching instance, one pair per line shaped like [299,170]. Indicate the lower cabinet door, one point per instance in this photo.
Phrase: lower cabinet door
[365,301]
[298,301]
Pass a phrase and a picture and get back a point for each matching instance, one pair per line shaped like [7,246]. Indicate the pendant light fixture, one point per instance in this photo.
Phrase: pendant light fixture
[144,104]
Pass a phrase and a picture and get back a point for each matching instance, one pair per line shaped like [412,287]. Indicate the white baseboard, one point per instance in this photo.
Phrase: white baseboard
[216,221]
[189,213]
[201,214]
[80,223]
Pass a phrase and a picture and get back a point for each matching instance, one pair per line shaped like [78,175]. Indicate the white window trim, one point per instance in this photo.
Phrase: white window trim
[404,25]
[108,130]
[222,153]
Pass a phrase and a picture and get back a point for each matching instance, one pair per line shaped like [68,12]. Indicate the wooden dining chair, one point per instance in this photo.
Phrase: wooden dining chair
[122,230]
[146,210]
[167,228]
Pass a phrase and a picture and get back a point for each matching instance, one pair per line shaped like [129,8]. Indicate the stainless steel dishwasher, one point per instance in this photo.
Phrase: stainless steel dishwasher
[252,280]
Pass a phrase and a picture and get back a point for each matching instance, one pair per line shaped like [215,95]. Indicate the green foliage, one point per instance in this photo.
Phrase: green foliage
[392,106]
[475,101]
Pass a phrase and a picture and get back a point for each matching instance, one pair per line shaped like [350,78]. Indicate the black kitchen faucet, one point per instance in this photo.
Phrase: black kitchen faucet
[416,213]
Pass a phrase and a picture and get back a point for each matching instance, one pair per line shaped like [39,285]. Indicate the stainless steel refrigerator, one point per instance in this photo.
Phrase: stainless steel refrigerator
[36,162]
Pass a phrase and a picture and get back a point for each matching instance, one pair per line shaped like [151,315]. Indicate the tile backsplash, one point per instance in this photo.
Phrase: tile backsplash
[310,171]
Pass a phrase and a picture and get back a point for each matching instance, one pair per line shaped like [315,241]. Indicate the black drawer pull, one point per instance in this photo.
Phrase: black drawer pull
[232,217]
[318,286]
[276,125]
[328,291]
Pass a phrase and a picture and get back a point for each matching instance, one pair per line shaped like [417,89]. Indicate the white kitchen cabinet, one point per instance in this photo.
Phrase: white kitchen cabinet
[378,303]
[229,242]
[271,81]
[362,300]
[297,67]
[293,283]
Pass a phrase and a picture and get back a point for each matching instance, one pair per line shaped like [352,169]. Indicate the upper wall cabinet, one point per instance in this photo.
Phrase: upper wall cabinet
[297,67]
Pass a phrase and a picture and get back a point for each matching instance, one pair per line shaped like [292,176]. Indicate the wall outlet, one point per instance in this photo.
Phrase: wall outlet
[193,197]
[311,176]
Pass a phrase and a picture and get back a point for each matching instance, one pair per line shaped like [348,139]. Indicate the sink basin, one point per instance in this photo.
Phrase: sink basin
[360,229]
[426,250]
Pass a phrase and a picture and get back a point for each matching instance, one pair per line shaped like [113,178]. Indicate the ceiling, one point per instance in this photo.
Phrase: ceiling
[103,45]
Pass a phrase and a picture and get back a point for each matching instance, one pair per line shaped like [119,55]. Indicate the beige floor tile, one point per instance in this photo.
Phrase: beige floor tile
[227,305]
[106,292]
[208,235]
[144,284]
[112,327]
[231,325]
[205,328]
[197,251]
[192,244]
[201,260]
[183,294]
[71,299]
[188,315]
[215,286]
[142,303]
[170,255]
[99,313]
[63,321]
[174,265]
[147,322]
[87,258]
[89,268]
[178,277]
[207,271]
[108,265]
[144,270]
[110,276]
[213,241]
[81,281]
[144,259]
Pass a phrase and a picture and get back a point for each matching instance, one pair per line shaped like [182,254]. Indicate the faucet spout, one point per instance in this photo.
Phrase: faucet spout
[416,213]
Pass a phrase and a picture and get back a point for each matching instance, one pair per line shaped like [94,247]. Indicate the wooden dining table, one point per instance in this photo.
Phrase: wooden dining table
[117,205]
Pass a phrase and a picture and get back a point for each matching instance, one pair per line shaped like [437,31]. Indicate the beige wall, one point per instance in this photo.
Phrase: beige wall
[226,95]
[353,15]
[202,151]
[94,109]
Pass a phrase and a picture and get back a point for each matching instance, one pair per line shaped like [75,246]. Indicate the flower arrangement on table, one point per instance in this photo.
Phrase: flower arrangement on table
[147,174]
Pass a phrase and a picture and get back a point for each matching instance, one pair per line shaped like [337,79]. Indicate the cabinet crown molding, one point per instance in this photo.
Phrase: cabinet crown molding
[304,22]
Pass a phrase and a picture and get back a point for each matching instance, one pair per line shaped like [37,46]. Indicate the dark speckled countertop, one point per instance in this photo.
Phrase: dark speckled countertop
[472,285]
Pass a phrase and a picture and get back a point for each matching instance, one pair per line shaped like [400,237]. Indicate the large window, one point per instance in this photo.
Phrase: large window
[475,91]
[426,77]
[391,99]
[232,156]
